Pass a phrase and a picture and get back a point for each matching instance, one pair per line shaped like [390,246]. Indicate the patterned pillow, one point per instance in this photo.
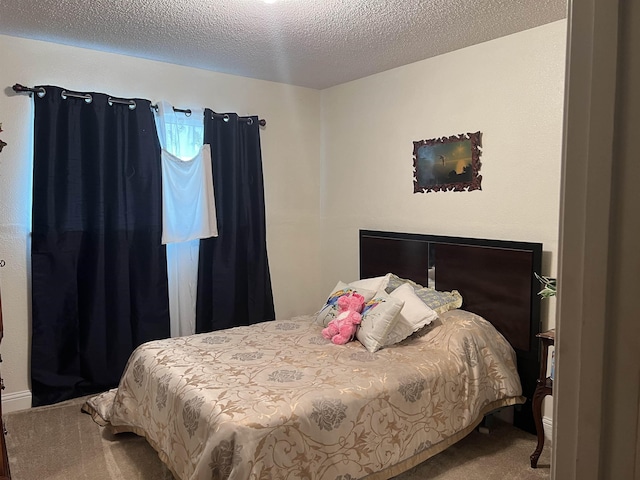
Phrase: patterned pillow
[379,316]
[395,281]
[414,315]
[330,309]
[438,301]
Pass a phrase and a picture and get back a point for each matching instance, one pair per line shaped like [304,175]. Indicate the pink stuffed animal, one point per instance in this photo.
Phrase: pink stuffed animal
[342,329]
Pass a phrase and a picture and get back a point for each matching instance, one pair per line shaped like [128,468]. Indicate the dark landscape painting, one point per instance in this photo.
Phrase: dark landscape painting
[447,163]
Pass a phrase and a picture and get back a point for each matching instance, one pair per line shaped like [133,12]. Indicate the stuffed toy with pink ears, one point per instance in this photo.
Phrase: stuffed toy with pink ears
[343,328]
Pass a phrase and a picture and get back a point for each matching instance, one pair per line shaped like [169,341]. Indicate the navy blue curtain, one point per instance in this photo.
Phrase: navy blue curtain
[99,279]
[234,284]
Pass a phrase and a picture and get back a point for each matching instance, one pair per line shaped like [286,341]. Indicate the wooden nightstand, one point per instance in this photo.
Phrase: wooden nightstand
[544,387]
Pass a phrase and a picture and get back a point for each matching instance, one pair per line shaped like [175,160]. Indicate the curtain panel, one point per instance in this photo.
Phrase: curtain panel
[99,274]
[234,284]
[183,154]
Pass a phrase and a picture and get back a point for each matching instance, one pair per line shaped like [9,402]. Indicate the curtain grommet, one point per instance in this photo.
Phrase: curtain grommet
[130,103]
[86,97]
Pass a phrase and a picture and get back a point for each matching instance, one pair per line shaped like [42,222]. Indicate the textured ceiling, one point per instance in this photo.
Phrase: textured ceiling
[311,43]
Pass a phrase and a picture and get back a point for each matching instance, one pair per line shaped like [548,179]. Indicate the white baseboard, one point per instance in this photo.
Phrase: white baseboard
[12,402]
[547,425]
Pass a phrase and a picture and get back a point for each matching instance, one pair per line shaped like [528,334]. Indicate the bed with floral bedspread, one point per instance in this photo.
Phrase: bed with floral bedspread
[276,400]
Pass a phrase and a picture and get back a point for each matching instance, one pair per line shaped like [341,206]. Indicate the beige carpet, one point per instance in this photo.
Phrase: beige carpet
[60,442]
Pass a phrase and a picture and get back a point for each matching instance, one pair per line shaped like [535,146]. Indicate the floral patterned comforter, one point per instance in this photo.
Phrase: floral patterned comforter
[276,400]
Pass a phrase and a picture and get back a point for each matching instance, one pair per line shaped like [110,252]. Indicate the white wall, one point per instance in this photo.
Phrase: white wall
[291,157]
[511,89]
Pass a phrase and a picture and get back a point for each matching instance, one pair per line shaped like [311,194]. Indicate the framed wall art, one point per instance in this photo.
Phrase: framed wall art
[447,163]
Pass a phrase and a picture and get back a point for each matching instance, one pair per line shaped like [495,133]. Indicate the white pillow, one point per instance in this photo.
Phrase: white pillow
[374,283]
[414,315]
[378,318]
[330,309]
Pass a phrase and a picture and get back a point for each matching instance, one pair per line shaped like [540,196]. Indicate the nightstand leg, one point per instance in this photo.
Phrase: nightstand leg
[538,396]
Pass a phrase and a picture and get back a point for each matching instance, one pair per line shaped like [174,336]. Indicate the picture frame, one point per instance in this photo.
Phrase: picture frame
[447,163]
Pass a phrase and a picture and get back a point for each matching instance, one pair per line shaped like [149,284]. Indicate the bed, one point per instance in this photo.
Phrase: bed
[276,400]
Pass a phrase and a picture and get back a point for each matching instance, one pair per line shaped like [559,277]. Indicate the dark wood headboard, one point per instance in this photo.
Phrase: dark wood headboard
[495,278]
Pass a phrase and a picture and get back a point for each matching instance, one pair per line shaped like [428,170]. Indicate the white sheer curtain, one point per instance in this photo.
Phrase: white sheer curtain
[189,214]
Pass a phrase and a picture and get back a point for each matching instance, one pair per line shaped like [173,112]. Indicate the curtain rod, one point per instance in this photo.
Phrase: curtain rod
[40,91]
[187,111]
